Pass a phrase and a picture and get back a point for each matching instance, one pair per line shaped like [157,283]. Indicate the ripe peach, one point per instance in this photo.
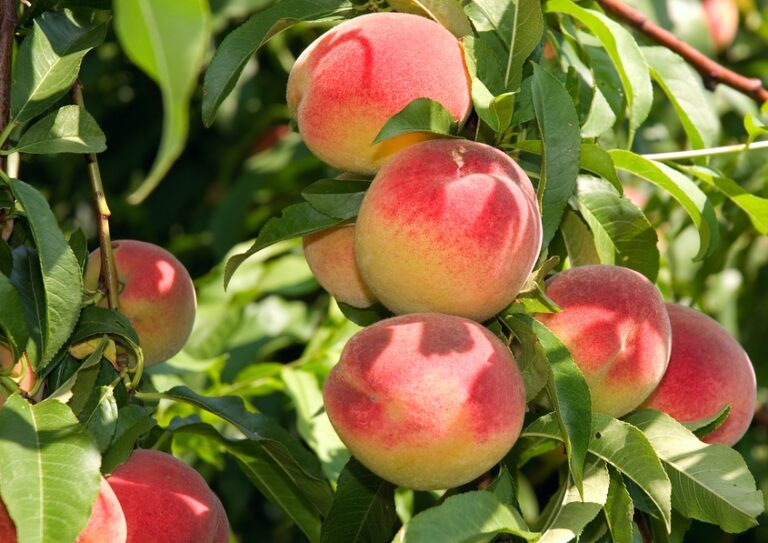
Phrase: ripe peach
[723,20]
[707,370]
[165,500]
[352,79]
[157,296]
[426,401]
[614,324]
[450,226]
[106,525]
[27,381]
[330,254]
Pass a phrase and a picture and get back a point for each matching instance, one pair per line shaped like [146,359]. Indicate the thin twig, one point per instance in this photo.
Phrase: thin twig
[712,72]
[7,30]
[108,267]
[697,153]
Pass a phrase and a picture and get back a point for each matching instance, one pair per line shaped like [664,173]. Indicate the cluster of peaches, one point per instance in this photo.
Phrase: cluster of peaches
[153,496]
[446,236]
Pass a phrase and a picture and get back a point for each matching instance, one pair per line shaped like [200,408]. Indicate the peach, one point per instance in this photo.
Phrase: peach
[166,501]
[352,79]
[450,226]
[330,254]
[157,296]
[707,370]
[106,524]
[27,381]
[614,324]
[723,20]
[426,401]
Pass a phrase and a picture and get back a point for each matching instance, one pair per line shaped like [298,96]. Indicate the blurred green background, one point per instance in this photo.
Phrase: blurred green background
[274,334]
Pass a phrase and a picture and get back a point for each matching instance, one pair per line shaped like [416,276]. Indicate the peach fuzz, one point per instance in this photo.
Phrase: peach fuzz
[106,524]
[166,501]
[156,295]
[330,254]
[614,324]
[6,361]
[426,401]
[707,370]
[352,79]
[450,226]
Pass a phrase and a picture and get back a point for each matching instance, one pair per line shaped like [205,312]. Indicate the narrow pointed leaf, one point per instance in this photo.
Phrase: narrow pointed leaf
[619,510]
[448,13]
[710,483]
[336,198]
[12,322]
[167,39]
[420,115]
[363,509]
[71,129]
[49,470]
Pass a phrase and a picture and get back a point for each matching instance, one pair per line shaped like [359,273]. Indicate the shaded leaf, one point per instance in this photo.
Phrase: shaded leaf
[49,468]
[578,240]
[133,421]
[619,510]
[702,427]
[363,509]
[150,33]
[337,198]
[12,322]
[420,115]
[448,13]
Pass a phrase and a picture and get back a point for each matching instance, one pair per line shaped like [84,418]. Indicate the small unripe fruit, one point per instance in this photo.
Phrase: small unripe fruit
[426,401]
[106,524]
[330,254]
[707,370]
[614,324]
[157,296]
[165,500]
[351,80]
[448,226]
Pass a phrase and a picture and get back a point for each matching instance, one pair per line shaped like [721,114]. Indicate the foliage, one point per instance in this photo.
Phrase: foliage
[583,103]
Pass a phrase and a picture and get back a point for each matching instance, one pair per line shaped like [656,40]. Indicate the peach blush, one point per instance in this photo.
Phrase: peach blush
[614,324]
[166,501]
[352,79]
[426,401]
[157,296]
[450,226]
[707,370]
[330,254]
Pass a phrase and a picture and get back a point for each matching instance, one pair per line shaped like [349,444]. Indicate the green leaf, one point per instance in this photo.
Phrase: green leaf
[472,517]
[49,469]
[133,421]
[619,510]
[531,358]
[559,126]
[337,198]
[71,129]
[495,111]
[61,280]
[755,127]
[624,447]
[48,61]
[702,427]
[365,316]
[624,53]
[754,206]
[569,394]
[12,322]
[363,508]
[600,117]
[168,40]
[296,220]
[518,25]
[623,236]
[710,483]
[681,188]
[312,421]
[448,13]
[578,240]
[595,159]
[100,416]
[568,512]
[238,47]
[420,115]
[684,89]
[276,474]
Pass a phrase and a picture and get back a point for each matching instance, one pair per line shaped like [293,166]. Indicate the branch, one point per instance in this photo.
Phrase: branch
[7,31]
[712,72]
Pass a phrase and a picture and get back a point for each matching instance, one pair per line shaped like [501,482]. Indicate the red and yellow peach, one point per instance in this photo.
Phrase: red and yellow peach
[156,295]
[448,226]
[614,324]
[426,401]
[708,370]
[351,80]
